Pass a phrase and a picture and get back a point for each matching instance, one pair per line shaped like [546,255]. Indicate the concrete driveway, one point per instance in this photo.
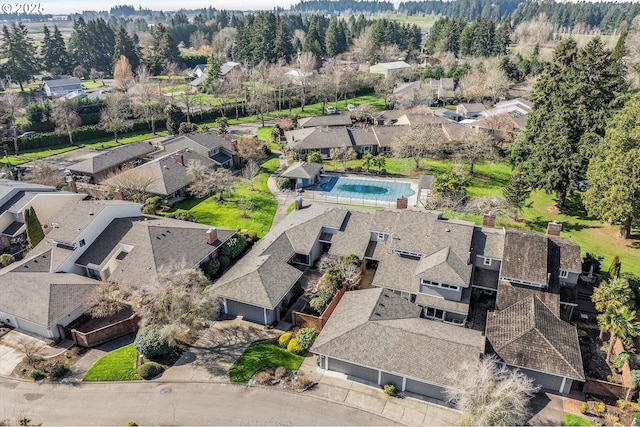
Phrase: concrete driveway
[210,358]
[11,356]
[9,359]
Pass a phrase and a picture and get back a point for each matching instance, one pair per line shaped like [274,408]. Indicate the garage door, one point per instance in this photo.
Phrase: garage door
[425,389]
[386,378]
[356,371]
[248,312]
[546,381]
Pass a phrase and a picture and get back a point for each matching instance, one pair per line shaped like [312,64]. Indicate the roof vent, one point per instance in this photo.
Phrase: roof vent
[90,213]
[447,230]
[55,225]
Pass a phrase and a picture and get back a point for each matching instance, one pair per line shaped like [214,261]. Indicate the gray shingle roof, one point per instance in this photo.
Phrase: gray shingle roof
[318,137]
[330,120]
[569,253]
[379,329]
[488,242]
[444,266]
[525,256]
[42,297]
[303,170]
[529,335]
[509,294]
[363,136]
[158,245]
[113,157]
[63,82]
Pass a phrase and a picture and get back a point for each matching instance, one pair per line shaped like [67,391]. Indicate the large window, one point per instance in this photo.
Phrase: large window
[487,261]
[379,236]
[564,274]
[433,313]
[439,285]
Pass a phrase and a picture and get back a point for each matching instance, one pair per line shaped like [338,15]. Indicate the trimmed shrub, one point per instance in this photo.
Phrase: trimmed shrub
[225,262]
[584,407]
[283,340]
[6,259]
[186,127]
[182,216]
[283,183]
[149,210]
[335,277]
[306,337]
[150,342]
[320,302]
[149,370]
[57,371]
[622,358]
[36,374]
[234,246]
[599,407]
[621,404]
[211,267]
[250,236]
[294,347]
[390,389]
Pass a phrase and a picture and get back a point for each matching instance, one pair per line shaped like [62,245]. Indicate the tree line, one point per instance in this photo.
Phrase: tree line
[466,9]
[480,38]
[334,6]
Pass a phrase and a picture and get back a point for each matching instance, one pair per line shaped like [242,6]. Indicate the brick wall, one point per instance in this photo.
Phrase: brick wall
[106,333]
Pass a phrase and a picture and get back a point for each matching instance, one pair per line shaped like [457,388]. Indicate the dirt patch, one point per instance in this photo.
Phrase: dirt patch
[593,358]
[283,378]
[68,358]
[553,209]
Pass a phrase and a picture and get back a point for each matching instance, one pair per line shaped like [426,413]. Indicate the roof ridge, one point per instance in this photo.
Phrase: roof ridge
[522,301]
[556,350]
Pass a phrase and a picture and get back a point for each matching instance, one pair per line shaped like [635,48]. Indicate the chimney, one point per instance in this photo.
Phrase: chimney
[402,203]
[554,228]
[117,195]
[179,159]
[298,202]
[489,220]
[212,235]
[71,184]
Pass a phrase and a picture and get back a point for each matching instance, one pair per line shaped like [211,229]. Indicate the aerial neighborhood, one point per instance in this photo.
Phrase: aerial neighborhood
[371,214]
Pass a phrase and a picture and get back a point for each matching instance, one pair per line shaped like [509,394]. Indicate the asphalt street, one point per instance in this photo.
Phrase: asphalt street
[155,403]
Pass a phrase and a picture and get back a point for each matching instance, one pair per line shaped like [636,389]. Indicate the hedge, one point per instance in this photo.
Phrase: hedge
[284,339]
[149,370]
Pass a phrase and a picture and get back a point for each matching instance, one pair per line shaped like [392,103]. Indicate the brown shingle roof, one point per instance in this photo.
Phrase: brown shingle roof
[112,157]
[527,334]
[303,170]
[318,137]
[525,256]
[330,120]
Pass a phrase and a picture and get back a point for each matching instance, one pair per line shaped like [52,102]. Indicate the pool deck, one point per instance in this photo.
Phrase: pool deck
[318,193]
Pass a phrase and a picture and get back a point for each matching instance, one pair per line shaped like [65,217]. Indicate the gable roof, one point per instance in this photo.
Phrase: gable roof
[42,297]
[472,107]
[263,276]
[304,170]
[525,256]
[569,253]
[63,82]
[69,222]
[112,157]
[444,266]
[529,335]
[228,66]
[395,65]
[330,120]
[509,294]
[378,329]
[152,245]
[318,137]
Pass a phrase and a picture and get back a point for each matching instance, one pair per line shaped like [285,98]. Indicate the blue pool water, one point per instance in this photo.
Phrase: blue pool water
[369,189]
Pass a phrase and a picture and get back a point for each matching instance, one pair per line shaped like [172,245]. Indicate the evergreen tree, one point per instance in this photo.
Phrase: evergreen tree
[516,192]
[263,38]
[54,52]
[33,227]
[312,42]
[18,50]
[125,46]
[212,81]
[175,116]
[332,39]
[164,50]
[283,46]
[614,172]
[91,45]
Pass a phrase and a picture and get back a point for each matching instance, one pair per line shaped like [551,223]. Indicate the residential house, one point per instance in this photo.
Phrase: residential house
[93,241]
[378,336]
[388,68]
[518,106]
[166,176]
[200,70]
[62,86]
[227,67]
[303,174]
[330,120]
[208,144]
[442,88]
[470,110]
[98,168]
[322,139]
[388,117]
[410,94]
[17,196]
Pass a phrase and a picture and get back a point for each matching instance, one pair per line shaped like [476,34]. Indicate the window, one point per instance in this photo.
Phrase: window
[379,236]
[409,254]
[487,261]
[433,313]
[564,274]
[439,285]
[366,148]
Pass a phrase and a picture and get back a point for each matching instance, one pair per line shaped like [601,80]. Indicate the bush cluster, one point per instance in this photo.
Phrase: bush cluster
[211,267]
[294,347]
[250,236]
[150,342]
[182,216]
[234,246]
[321,301]
[224,262]
[57,371]
[37,374]
[306,337]
[390,389]
[283,340]
[283,183]
[149,370]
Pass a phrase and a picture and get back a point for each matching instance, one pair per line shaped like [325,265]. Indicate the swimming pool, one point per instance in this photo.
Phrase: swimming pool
[366,189]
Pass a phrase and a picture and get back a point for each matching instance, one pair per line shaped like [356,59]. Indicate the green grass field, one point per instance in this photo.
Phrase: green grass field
[35,154]
[229,214]
[575,420]
[119,365]
[262,355]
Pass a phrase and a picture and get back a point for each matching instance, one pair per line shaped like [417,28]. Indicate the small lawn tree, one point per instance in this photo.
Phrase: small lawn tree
[490,394]
[33,226]
[516,192]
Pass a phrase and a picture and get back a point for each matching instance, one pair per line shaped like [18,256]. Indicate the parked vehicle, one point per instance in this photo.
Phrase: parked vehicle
[331,110]
[28,134]
[351,107]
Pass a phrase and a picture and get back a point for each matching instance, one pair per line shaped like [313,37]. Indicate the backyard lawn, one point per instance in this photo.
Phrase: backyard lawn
[229,214]
[262,355]
[119,365]
[575,420]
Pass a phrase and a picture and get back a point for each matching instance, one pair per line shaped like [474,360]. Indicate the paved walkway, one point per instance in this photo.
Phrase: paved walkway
[284,198]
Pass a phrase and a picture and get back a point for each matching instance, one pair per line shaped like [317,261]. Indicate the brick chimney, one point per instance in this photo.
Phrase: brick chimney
[117,195]
[71,184]
[489,220]
[212,235]
[554,228]
[179,159]
[402,203]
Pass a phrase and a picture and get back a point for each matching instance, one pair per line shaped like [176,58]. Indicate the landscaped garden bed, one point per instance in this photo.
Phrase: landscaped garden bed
[260,355]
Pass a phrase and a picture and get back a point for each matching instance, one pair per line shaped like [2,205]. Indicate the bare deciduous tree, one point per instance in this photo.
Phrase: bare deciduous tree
[476,146]
[150,103]
[250,171]
[179,305]
[390,53]
[31,350]
[132,184]
[496,83]
[249,148]
[306,63]
[362,47]
[206,182]
[10,103]
[122,74]
[234,85]
[490,394]
[115,116]
[246,205]
[64,115]
[422,141]
[343,155]
[46,173]
[107,299]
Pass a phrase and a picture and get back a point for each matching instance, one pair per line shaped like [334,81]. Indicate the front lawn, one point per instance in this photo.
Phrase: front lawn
[575,420]
[229,214]
[262,355]
[119,365]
